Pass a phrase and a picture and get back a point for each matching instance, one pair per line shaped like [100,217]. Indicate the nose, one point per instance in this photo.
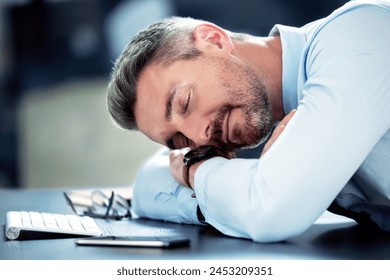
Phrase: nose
[198,132]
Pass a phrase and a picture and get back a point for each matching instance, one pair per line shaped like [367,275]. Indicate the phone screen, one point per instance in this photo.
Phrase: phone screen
[136,241]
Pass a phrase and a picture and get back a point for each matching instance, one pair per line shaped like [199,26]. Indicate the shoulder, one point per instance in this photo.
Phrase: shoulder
[363,21]
[357,28]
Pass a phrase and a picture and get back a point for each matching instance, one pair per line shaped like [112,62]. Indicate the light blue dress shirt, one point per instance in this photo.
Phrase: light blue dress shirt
[336,73]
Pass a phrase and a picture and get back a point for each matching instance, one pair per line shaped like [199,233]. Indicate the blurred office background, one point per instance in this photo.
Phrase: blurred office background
[55,61]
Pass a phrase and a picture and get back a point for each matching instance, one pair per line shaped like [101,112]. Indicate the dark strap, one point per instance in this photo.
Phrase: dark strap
[200,215]
[363,218]
[370,215]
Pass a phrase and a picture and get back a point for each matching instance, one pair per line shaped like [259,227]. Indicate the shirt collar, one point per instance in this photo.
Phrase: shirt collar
[293,41]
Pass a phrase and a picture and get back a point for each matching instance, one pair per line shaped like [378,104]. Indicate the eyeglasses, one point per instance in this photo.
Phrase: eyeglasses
[99,205]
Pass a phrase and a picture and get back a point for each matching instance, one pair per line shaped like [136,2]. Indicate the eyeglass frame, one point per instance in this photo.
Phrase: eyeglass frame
[90,213]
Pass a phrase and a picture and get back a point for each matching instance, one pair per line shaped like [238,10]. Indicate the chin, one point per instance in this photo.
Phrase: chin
[255,143]
[247,146]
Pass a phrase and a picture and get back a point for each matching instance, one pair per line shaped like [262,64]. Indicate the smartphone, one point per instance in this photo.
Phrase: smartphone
[136,241]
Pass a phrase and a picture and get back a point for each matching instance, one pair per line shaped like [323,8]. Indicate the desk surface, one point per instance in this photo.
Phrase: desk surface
[331,240]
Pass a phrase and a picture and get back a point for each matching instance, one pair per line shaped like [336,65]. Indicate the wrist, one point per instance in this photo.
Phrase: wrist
[193,159]
[191,173]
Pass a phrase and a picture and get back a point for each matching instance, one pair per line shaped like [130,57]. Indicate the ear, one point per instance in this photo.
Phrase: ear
[209,37]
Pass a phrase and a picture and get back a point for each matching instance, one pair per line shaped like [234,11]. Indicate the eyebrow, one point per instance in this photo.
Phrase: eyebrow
[168,104]
[168,110]
[168,113]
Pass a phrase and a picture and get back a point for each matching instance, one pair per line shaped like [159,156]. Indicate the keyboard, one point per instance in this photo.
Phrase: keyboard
[34,222]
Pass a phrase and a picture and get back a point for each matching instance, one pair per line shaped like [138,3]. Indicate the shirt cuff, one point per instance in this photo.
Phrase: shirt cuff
[200,175]
[187,206]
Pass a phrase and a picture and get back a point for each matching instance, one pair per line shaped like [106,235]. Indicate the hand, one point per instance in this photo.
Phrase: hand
[176,164]
[278,131]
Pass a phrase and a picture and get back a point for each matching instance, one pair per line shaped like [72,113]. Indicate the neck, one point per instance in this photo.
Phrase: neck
[264,56]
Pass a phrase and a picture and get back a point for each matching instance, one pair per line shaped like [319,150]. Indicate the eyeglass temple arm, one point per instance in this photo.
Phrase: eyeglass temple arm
[70,203]
[110,201]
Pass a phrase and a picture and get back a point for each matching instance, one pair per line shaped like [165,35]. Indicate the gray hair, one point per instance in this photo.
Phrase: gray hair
[163,42]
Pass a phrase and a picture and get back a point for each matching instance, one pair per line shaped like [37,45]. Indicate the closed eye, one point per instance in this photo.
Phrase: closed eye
[187,103]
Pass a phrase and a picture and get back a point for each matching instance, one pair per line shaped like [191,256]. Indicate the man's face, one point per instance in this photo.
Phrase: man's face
[206,101]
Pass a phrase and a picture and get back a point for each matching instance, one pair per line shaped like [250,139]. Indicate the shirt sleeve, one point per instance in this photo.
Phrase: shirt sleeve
[158,196]
[343,112]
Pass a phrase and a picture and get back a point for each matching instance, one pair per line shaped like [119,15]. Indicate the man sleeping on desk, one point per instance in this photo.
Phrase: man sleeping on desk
[192,85]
